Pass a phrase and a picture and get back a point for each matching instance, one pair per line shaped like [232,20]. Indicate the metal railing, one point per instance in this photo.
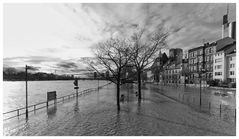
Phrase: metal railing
[32,108]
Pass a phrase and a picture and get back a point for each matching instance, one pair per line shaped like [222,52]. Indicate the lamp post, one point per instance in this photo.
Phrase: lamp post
[202,71]
[26,95]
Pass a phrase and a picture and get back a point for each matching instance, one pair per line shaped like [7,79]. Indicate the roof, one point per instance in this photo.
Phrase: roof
[193,49]
[224,43]
[230,48]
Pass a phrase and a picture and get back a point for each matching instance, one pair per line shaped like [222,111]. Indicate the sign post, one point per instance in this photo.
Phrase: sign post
[76,87]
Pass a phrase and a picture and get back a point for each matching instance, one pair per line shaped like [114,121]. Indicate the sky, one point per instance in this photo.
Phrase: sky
[53,37]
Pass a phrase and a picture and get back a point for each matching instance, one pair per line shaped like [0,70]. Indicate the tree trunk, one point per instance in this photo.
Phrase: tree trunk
[139,85]
[118,94]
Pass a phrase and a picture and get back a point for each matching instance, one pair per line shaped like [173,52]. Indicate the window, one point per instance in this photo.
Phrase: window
[210,50]
[218,73]
[218,60]
[195,53]
[232,73]
[218,67]
[206,51]
[232,65]
[199,67]
[195,61]
[200,59]
[199,52]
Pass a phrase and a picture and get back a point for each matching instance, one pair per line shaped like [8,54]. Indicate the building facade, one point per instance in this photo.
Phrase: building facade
[196,63]
[172,73]
[224,64]
[231,70]
[209,51]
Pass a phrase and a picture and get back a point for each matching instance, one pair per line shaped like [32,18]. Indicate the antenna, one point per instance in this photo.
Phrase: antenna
[227,9]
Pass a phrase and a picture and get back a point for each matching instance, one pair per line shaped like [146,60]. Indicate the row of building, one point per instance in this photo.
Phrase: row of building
[211,61]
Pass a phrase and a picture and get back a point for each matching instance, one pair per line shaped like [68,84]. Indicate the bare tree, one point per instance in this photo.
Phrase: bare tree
[112,55]
[145,48]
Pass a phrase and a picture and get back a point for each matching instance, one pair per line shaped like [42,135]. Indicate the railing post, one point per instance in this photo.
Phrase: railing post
[63,99]
[17,112]
[47,104]
[34,108]
[220,109]
[209,105]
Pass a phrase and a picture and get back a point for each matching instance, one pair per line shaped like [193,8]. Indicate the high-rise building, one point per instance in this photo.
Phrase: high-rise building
[228,28]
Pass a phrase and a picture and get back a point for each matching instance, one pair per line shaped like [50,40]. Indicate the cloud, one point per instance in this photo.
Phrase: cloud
[28,60]
[54,36]
[67,65]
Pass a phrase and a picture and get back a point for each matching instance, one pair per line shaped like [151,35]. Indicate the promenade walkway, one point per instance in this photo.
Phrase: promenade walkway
[96,114]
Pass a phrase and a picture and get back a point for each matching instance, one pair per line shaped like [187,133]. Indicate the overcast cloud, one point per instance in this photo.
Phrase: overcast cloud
[55,36]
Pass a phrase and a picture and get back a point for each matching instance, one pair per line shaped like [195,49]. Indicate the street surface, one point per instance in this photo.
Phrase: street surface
[96,114]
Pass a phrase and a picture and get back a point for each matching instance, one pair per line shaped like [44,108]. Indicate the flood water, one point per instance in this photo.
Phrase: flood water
[14,92]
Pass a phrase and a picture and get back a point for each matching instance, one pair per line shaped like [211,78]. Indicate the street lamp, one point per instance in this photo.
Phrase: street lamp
[26,93]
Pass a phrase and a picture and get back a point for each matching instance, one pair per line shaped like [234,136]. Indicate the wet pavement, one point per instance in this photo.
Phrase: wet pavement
[222,106]
[96,114]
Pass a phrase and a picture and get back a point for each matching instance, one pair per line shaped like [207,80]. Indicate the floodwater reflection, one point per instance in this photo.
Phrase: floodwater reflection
[51,111]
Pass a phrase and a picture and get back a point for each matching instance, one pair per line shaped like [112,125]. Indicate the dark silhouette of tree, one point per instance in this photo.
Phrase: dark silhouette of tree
[145,50]
[111,56]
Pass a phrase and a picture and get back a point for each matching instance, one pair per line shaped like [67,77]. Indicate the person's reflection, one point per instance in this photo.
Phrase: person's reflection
[76,106]
[51,111]
[139,107]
